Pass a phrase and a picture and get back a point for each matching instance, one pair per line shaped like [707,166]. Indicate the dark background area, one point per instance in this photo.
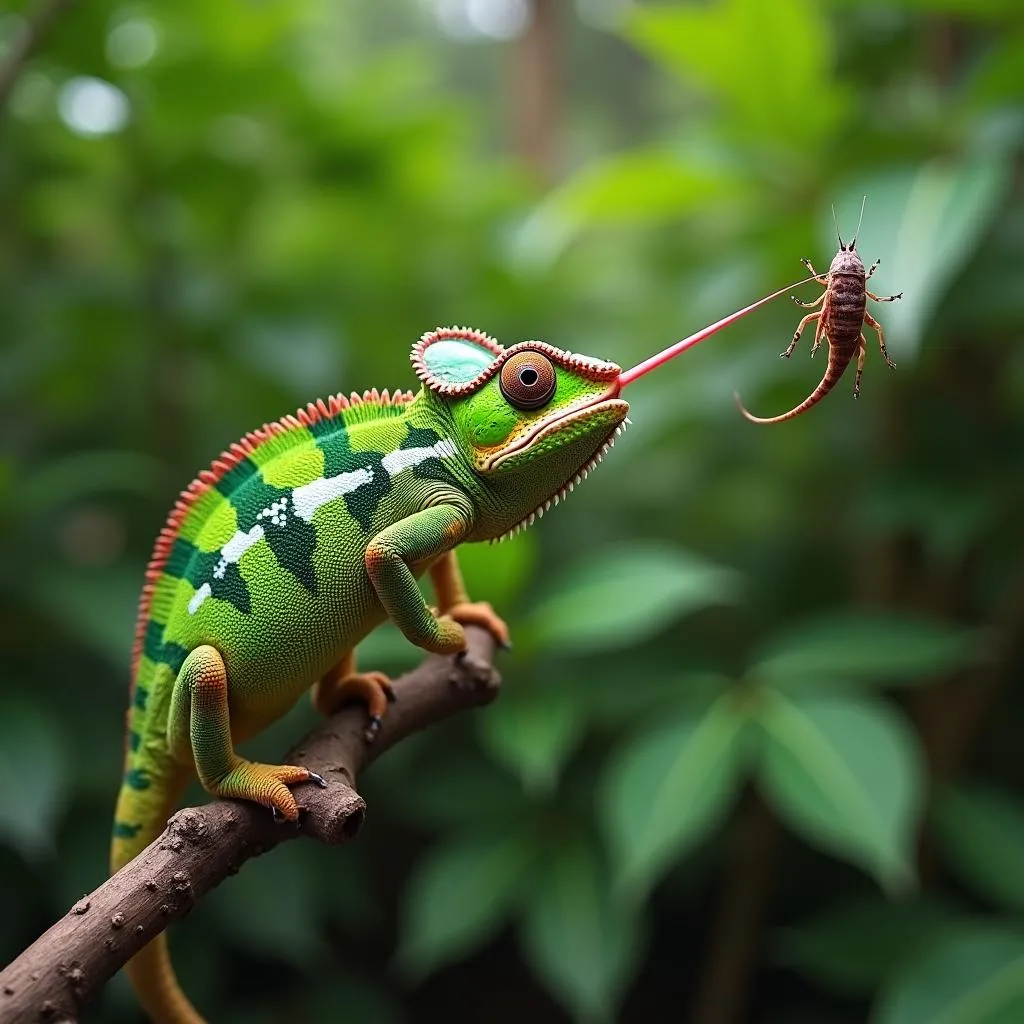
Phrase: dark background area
[758,753]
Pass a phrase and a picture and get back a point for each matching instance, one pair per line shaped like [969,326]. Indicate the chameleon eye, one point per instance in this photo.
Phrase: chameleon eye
[528,380]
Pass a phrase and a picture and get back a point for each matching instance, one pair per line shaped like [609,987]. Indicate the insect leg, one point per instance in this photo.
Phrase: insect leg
[822,278]
[799,330]
[884,298]
[877,328]
[818,334]
[872,269]
[862,351]
[808,305]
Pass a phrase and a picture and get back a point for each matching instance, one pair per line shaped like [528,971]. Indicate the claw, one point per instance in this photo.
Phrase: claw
[318,779]
[372,729]
[279,818]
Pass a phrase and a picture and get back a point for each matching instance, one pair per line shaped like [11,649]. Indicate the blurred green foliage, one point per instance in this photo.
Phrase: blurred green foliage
[763,692]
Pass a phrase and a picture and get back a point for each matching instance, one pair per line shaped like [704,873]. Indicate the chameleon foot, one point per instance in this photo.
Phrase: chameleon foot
[266,784]
[480,613]
[373,689]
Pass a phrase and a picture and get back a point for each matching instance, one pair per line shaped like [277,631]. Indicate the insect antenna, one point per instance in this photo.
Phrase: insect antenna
[836,222]
[860,220]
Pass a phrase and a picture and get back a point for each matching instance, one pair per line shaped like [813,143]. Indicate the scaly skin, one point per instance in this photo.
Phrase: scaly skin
[306,535]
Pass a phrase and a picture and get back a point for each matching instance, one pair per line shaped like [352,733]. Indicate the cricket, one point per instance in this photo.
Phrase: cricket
[840,321]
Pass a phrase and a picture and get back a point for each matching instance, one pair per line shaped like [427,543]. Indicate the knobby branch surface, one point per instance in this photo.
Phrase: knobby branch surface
[35,29]
[201,846]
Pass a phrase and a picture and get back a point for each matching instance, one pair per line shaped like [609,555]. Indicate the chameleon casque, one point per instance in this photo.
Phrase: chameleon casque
[309,532]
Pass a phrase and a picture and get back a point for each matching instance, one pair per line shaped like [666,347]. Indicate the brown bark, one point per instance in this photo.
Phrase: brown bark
[201,846]
[537,88]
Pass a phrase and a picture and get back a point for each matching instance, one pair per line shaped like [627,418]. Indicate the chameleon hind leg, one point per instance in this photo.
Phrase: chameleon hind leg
[199,729]
[343,683]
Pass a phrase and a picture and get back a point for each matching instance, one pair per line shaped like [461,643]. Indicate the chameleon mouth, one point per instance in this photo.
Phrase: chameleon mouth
[606,406]
[620,408]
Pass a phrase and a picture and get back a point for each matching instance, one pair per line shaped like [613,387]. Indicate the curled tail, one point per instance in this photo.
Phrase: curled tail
[152,785]
[832,374]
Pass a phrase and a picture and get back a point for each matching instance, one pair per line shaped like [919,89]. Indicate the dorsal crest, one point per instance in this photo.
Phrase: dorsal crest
[272,438]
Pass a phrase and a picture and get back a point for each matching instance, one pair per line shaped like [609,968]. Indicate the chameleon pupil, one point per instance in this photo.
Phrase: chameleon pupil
[528,377]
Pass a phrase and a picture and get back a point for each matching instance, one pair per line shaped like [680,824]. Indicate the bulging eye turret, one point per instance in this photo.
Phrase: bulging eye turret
[528,380]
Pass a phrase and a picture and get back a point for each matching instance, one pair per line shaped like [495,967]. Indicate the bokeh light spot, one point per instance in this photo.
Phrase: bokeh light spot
[91,107]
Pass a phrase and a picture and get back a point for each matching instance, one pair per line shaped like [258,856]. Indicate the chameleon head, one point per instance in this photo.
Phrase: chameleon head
[531,419]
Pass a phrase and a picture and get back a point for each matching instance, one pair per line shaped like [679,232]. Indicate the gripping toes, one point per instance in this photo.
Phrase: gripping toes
[267,784]
[480,613]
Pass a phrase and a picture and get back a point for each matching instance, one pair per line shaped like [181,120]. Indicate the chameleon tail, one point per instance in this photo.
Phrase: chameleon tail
[152,785]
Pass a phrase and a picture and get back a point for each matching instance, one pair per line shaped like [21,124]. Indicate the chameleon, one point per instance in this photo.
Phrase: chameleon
[303,536]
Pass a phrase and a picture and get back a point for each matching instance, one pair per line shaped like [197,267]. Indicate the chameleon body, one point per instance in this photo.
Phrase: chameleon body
[308,533]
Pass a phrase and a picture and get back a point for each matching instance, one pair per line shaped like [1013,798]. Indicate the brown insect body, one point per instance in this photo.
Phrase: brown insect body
[841,321]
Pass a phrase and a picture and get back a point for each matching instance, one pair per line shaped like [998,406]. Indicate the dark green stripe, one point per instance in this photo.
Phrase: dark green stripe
[122,830]
[137,778]
[232,481]
[154,648]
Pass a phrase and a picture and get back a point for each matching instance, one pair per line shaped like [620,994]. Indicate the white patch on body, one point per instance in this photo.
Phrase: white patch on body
[305,500]
[309,497]
[198,598]
[406,458]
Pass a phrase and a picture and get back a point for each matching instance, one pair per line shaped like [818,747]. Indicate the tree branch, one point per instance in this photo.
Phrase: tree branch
[65,967]
[35,30]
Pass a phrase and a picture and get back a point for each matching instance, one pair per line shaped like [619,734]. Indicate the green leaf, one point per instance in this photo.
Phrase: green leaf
[973,976]
[666,789]
[640,186]
[532,731]
[623,596]
[459,895]
[847,774]
[32,779]
[579,943]
[851,948]
[981,833]
[889,648]
[734,48]
[924,224]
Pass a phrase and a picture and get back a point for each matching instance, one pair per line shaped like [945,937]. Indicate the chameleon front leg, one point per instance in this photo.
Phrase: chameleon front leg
[421,537]
[453,601]
[343,682]
[199,729]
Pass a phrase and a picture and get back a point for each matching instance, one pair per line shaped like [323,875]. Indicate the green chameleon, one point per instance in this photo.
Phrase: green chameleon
[306,534]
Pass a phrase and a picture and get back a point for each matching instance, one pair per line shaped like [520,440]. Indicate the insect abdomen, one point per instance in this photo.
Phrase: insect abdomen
[847,301]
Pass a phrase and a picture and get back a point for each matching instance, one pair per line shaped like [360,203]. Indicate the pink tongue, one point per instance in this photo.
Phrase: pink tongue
[635,372]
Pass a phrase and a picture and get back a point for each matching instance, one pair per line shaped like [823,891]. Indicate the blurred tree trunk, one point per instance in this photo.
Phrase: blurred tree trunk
[536,89]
